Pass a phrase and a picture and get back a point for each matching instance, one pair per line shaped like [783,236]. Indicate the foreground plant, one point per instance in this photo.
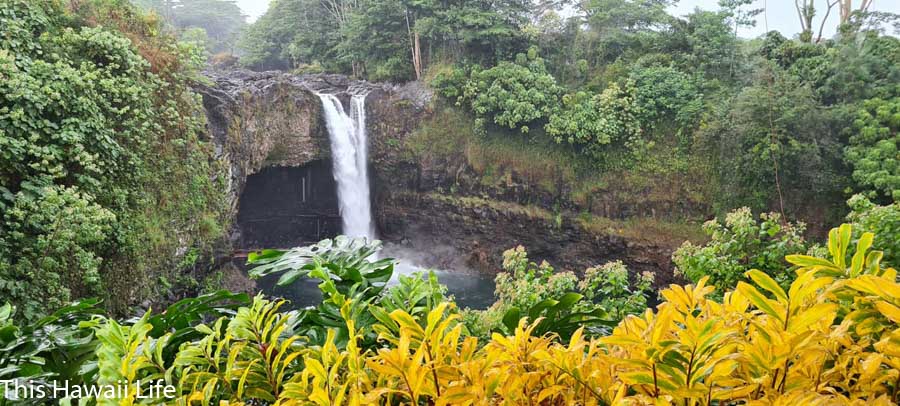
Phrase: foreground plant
[811,343]
[831,337]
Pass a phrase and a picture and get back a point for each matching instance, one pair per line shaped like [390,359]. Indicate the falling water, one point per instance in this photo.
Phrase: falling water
[348,148]
[349,155]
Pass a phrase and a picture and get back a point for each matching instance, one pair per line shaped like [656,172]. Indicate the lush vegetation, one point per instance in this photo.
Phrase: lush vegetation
[739,245]
[831,337]
[793,126]
[104,175]
[743,243]
[110,190]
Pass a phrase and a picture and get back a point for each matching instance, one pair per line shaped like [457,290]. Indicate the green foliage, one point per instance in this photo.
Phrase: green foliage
[623,27]
[127,353]
[666,93]
[883,221]
[353,285]
[525,283]
[416,294]
[291,33]
[85,210]
[376,39]
[607,286]
[740,244]
[862,66]
[216,24]
[710,45]
[839,313]
[562,301]
[874,148]
[511,95]
[342,264]
[55,237]
[787,141]
[54,348]
[602,125]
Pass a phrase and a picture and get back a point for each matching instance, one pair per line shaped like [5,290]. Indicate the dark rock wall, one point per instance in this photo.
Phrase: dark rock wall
[283,207]
[482,233]
[260,120]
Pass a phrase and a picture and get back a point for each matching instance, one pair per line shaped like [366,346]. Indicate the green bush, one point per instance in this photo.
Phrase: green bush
[103,175]
[883,221]
[602,297]
[740,244]
[602,125]
[56,238]
[874,149]
[607,286]
[511,95]
[666,93]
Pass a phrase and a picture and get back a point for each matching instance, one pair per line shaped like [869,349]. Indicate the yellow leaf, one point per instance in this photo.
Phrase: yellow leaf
[888,310]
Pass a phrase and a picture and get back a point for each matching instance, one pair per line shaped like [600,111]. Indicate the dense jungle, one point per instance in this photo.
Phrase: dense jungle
[449,202]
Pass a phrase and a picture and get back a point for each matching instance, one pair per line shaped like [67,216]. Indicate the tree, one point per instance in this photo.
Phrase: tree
[739,14]
[740,244]
[103,176]
[874,148]
[601,125]
[776,126]
[511,95]
[384,39]
[666,94]
[847,10]
[710,46]
[622,25]
[293,33]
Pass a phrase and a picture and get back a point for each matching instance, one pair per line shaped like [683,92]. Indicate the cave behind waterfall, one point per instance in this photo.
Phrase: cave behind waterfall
[283,207]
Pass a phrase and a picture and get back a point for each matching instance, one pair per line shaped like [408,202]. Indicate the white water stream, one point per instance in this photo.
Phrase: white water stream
[347,133]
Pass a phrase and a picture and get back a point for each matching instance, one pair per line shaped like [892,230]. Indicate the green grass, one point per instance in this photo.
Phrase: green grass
[533,212]
[498,156]
[671,233]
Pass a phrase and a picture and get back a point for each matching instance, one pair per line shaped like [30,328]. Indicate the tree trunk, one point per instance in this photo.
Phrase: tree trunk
[414,48]
[846,10]
[417,57]
[806,11]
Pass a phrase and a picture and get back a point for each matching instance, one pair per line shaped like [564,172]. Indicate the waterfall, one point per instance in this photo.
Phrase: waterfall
[349,156]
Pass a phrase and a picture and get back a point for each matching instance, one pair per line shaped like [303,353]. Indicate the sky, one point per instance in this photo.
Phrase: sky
[781,14]
[253,8]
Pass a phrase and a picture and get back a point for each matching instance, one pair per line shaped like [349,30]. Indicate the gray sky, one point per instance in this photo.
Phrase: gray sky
[782,15]
[253,8]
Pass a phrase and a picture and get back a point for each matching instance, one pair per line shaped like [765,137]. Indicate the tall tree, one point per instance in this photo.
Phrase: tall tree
[847,9]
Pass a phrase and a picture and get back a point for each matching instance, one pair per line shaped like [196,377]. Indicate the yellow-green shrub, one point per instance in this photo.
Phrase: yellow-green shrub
[831,338]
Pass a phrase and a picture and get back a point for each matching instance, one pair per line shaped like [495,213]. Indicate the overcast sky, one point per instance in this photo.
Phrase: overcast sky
[781,13]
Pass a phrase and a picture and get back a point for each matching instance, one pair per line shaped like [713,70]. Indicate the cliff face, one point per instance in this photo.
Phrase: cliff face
[261,120]
[258,120]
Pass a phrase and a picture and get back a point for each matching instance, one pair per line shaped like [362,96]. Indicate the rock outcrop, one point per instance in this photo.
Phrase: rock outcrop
[264,119]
